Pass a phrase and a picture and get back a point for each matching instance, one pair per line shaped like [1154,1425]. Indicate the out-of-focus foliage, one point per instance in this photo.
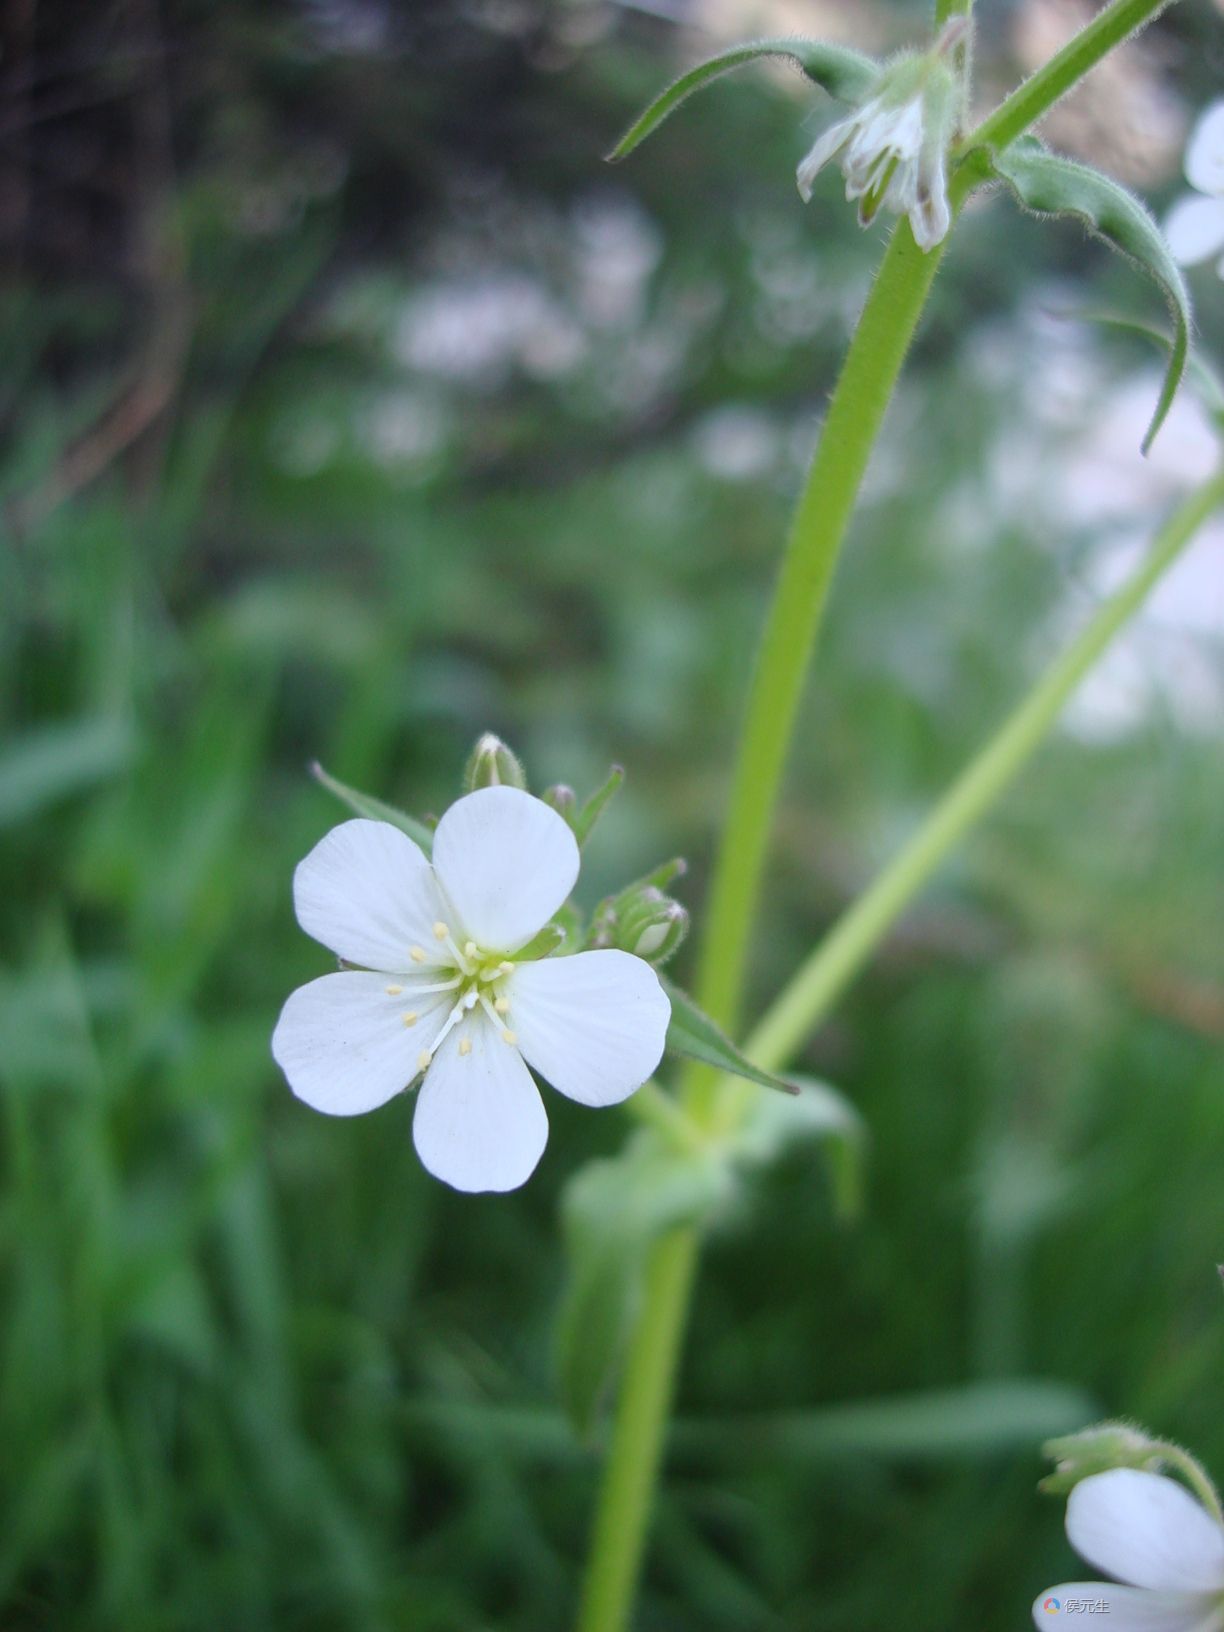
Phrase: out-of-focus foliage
[352,408]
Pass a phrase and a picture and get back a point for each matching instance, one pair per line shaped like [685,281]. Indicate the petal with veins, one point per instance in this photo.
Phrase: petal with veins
[368,893]
[480,1123]
[506,861]
[342,1042]
[1146,1530]
[593,1025]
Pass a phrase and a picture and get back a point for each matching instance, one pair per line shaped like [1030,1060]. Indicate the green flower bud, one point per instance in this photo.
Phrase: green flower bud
[1096,1449]
[563,800]
[492,765]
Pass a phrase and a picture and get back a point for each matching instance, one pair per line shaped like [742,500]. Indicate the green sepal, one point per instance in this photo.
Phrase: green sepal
[1048,184]
[612,1211]
[550,939]
[363,804]
[583,820]
[843,72]
[693,1034]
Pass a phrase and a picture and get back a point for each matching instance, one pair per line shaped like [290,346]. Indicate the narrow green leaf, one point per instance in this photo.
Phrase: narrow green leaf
[1048,184]
[583,821]
[844,73]
[693,1034]
[611,1212]
[364,804]
[1198,370]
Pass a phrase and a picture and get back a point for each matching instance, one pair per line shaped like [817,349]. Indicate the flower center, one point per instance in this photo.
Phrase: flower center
[476,977]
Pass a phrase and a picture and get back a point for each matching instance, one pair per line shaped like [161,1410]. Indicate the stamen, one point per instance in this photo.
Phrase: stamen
[438,986]
[417,954]
[394,991]
[502,1005]
[465,1047]
[411,1018]
[509,1036]
[469,949]
[424,1060]
[506,966]
[440,931]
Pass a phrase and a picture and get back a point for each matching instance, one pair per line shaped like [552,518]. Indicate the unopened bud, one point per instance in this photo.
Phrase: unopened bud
[1095,1450]
[651,925]
[492,765]
[563,800]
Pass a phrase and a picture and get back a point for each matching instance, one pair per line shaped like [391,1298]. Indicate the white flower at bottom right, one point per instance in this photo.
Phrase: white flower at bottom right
[1163,1548]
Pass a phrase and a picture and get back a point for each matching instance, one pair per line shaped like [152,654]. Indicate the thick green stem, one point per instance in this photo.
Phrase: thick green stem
[843,952]
[823,514]
[637,1440]
[1030,101]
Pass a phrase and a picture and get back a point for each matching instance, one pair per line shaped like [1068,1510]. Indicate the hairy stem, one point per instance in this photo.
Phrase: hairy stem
[1030,101]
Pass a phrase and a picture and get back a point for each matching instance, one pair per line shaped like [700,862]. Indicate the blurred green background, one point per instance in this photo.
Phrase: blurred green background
[351,407]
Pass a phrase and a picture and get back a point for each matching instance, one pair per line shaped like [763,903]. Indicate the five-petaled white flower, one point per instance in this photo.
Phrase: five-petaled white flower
[1151,1534]
[1195,225]
[893,148]
[441,991]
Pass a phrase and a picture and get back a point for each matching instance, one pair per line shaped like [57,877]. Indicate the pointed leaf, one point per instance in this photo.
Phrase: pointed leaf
[364,804]
[844,73]
[1048,184]
[583,821]
[693,1034]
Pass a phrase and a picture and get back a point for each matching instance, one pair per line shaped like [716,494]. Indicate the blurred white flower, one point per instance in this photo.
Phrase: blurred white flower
[1149,1533]
[1195,225]
[893,148]
[440,993]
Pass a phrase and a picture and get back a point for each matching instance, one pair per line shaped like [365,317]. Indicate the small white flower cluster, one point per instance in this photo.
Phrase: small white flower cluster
[448,990]
[1195,225]
[1163,1546]
[893,148]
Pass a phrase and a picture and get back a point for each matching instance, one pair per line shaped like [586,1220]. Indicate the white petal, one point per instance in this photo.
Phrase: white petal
[1195,229]
[480,1123]
[507,862]
[1129,1609]
[593,1024]
[343,1044]
[824,148]
[1205,152]
[368,893]
[1146,1530]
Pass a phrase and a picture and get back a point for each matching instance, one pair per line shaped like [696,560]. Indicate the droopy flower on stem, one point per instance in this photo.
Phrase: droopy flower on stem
[1149,1533]
[1195,227]
[448,989]
[893,148]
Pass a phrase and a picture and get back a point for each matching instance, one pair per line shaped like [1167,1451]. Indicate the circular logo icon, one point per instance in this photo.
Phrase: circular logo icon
[1051,1606]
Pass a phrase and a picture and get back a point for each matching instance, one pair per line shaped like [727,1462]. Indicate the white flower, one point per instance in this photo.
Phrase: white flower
[441,992]
[1149,1532]
[893,148]
[1195,226]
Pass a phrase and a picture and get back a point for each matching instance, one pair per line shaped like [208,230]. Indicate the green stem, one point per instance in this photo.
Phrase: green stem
[842,953]
[1038,94]
[637,1440]
[1195,1476]
[862,393]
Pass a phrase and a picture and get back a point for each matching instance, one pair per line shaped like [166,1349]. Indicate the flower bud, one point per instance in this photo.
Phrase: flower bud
[650,925]
[1094,1450]
[563,800]
[492,765]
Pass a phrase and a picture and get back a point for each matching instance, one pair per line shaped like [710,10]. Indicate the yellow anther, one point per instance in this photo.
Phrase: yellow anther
[469,949]
[410,1019]
[509,1036]
[440,930]
[394,991]
[417,954]
[423,1060]
[465,1047]
[502,1005]
[505,966]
